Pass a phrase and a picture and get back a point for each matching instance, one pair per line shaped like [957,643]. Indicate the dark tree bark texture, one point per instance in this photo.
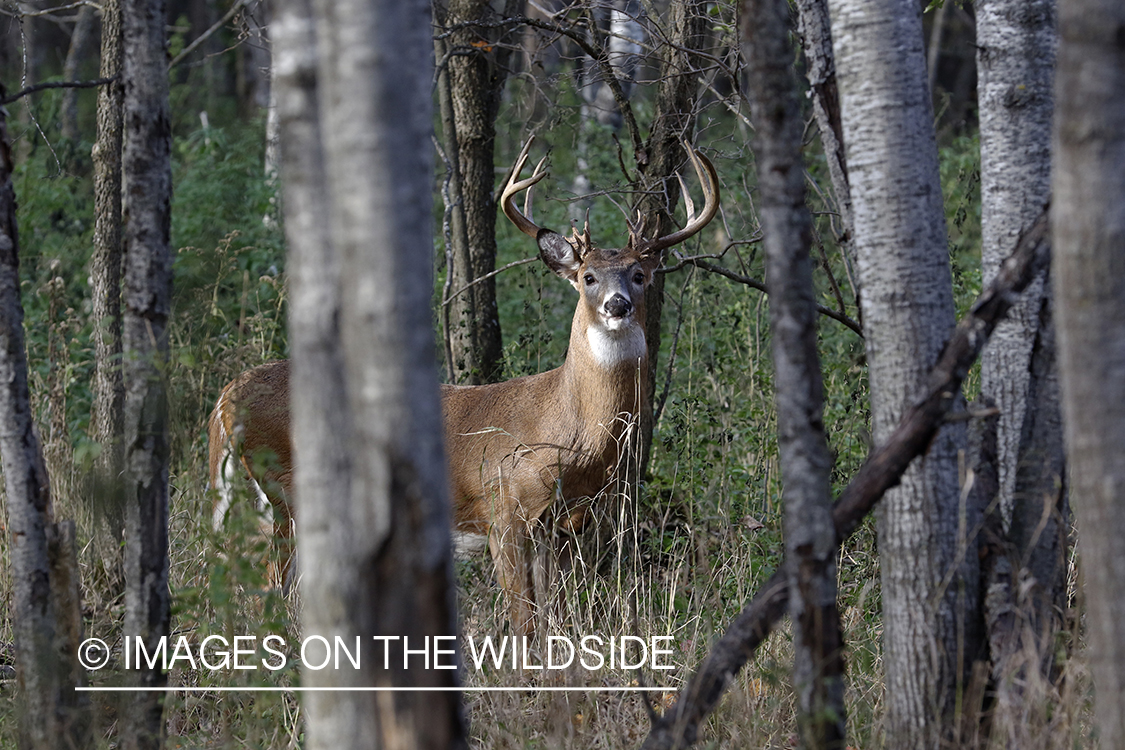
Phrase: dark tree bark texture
[477,58]
[810,538]
[50,714]
[105,264]
[658,160]
[147,177]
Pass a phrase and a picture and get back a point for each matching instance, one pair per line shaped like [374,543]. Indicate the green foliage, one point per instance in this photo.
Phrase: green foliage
[960,179]
[706,527]
[228,314]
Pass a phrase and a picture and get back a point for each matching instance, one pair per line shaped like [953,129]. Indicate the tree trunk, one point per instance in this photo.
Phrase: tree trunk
[816,43]
[50,713]
[1089,243]
[147,177]
[372,505]
[662,155]
[928,560]
[105,268]
[475,83]
[252,84]
[1016,43]
[79,40]
[810,536]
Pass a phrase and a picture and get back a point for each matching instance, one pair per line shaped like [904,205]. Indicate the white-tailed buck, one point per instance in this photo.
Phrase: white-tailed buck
[517,448]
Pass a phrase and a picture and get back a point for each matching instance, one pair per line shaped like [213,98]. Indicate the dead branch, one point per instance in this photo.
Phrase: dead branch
[206,34]
[56,85]
[679,727]
[753,283]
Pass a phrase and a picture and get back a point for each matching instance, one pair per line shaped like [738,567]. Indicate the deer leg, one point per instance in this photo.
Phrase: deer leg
[510,542]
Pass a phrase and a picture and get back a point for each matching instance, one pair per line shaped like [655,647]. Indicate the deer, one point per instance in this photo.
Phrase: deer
[519,452]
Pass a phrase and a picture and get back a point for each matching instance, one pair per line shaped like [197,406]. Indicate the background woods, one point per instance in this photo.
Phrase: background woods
[220,193]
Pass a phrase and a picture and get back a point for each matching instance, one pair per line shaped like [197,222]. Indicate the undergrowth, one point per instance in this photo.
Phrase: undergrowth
[675,557]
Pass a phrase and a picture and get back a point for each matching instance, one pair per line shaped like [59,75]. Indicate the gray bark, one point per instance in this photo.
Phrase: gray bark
[816,43]
[147,178]
[372,506]
[1089,282]
[105,263]
[1016,43]
[660,157]
[810,535]
[50,715]
[928,566]
[679,725]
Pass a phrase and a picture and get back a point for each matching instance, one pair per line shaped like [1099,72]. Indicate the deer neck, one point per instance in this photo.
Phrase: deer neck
[606,372]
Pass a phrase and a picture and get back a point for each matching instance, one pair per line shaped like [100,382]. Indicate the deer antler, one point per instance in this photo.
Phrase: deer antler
[710,185]
[515,185]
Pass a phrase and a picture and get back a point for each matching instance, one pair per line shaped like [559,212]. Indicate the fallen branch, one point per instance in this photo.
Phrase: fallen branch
[679,727]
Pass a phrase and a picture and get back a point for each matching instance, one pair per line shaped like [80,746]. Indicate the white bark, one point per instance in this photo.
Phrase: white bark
[1016,42]
[27,499]
[907,303]
[1089,282]
[371,496]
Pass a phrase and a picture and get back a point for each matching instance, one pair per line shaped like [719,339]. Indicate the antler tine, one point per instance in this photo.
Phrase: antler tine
[515,185]
[710,185]
[689,204]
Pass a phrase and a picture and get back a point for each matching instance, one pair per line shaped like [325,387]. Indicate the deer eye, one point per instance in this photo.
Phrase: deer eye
[589,279]
[638,278]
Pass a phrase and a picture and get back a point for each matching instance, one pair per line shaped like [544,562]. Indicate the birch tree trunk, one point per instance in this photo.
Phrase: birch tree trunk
[50,713]
[1089,244]
[928,585]
[810,535]
[147,178]
[371,497]
[1016,43]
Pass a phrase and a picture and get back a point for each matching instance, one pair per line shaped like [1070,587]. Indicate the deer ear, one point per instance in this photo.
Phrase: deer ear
[559,255]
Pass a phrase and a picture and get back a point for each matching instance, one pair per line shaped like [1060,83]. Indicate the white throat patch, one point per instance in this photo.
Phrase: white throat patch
[615,347]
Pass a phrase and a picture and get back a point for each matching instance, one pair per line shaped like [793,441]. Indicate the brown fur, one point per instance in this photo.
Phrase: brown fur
[514,449]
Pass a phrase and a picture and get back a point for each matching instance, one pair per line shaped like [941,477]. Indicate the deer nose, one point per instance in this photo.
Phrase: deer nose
[618,306]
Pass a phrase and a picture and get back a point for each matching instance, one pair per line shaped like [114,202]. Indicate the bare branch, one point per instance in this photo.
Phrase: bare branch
[753,283]
[445,302]
[679,727]
[207,34]
[56,85]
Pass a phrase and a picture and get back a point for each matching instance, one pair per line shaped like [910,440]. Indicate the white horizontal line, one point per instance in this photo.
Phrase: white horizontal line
[273,689]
